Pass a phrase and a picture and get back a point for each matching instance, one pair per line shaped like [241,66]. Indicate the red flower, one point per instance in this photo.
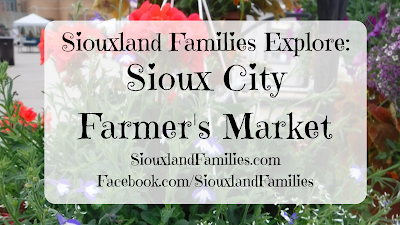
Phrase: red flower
[138,13]
[393,174]
[25,113]
[8,217]
[64,54]
[148,11]
[153,12]
[25,117]
[6,123]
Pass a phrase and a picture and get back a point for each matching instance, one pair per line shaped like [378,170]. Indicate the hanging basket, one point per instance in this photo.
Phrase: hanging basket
[233,15]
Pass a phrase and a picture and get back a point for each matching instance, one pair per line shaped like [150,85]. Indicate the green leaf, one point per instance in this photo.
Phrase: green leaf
[232,216]
[26,222]
[143,207]
[149,218]
[182,222]
[95,206]
[166,214]
[131,221]
[92,222]
[220,222]
[193,209]
[113,209]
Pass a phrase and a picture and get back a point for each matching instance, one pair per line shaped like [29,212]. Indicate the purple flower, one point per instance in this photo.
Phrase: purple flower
[64,221]
[357,172]
[97,17]
[384,200]
[360,58]
[380,25]
[203,194]
[299,10]
[209,145]
[289,218]
[126,58]
[61,185]
[371,21]
[89,188]
[133,3]
[384,67]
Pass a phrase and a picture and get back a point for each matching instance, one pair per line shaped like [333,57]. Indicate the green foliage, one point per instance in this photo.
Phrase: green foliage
[22,180]
[219,9]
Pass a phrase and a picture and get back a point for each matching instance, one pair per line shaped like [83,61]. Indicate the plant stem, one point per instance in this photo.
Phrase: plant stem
[245,213]
[6,203]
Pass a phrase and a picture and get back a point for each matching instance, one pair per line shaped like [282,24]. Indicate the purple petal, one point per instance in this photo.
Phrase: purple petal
[53,182]
[371,21]
[360,178]
[212,195]
[64,181]
[81,189]
[61,219]
[119,57]
[197,141]
[202,200]
[381,22]
[220,148]
[72,221]
[91,198]
[195,193]
[355,167]
[89,183]
[363,169]
[383,12]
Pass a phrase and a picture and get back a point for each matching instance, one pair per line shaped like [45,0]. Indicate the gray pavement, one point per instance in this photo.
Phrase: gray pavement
[30,83]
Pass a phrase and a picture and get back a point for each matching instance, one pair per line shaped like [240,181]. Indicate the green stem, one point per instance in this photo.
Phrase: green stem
[6,203]
[245,214]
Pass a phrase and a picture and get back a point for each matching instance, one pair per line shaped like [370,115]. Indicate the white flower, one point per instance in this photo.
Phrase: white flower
[89,188]
[378,58]
[61,185]
[203,144]
[389,53]
[357,172]
[209,145]
[203,194]
[163,139]
[26,204]
[384,200]
[279,199]
[395,57]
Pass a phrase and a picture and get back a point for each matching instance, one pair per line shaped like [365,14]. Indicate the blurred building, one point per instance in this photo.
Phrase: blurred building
[11,10]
